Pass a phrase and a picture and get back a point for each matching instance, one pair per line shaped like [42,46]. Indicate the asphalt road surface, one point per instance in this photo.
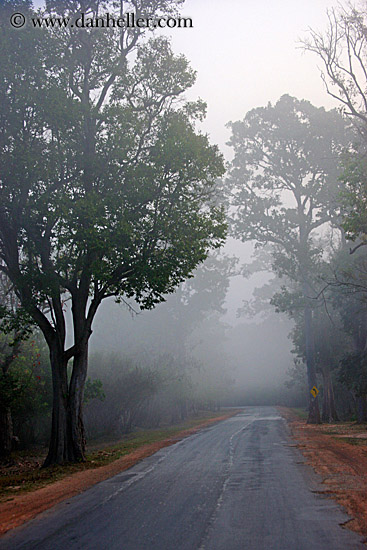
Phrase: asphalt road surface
[238,485]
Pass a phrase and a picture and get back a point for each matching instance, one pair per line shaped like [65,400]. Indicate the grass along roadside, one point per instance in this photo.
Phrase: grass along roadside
[346,431]
[300,413]
[23,473]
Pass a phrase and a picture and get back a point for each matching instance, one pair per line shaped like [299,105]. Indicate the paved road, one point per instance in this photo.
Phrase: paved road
[239,485]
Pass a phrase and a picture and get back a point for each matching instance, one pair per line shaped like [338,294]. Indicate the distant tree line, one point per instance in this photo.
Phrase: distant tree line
[297,187]
[108,190]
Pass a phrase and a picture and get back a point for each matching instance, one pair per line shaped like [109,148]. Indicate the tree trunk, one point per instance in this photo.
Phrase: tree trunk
[329,413]
[77,385]
[67,442]
[6,431]
[313,409]
[60,448]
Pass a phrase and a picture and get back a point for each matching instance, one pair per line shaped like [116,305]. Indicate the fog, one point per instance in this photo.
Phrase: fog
[246,54]
[134,167]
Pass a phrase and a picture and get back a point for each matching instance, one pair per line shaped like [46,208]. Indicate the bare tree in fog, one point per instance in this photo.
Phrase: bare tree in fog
[343,51]
[342,48]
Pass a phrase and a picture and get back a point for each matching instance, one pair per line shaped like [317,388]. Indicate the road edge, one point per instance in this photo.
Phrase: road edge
[22,508]
[331,482]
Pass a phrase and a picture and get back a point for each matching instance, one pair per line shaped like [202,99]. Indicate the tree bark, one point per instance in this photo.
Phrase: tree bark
[77,385]
[313,403]
[60,447]
[67,443]
[329,413]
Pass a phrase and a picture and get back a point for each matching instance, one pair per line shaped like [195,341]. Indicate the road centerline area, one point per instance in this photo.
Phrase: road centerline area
[236,485]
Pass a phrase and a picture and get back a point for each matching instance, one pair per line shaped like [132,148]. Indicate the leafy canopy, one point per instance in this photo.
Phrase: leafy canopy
[284,179]
[105,183]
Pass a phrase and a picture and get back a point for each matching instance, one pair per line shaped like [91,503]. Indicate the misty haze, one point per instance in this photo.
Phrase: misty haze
[183,274]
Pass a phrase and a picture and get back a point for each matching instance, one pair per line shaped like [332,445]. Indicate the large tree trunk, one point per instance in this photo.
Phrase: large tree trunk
[329,413]
[67,442]
[60,448]
[313,408]
[77,385]
[6,431]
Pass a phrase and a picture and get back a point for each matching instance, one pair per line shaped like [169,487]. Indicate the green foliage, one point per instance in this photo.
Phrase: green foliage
[289,301]
[93,390]
[26,386]
[347,292]
[284,178]
[131,211]
[17,324]
[353,372]
[106,187]
[11,389]
[354,196]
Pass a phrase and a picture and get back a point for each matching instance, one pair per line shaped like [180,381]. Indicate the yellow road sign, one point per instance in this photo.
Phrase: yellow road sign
[314,391]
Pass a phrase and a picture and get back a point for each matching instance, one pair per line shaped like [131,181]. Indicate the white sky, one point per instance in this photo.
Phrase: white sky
[245,53]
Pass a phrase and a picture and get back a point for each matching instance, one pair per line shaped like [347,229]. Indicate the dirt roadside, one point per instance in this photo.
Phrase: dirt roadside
[21,508]
[342,465]
[338,452]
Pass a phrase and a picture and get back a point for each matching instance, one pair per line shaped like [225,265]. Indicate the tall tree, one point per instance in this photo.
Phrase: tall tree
[284,184]
[342,48]
[329,339]
[347,293]
[106,187]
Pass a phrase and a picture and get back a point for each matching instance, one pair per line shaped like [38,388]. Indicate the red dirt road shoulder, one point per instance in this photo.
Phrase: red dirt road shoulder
[342,464]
